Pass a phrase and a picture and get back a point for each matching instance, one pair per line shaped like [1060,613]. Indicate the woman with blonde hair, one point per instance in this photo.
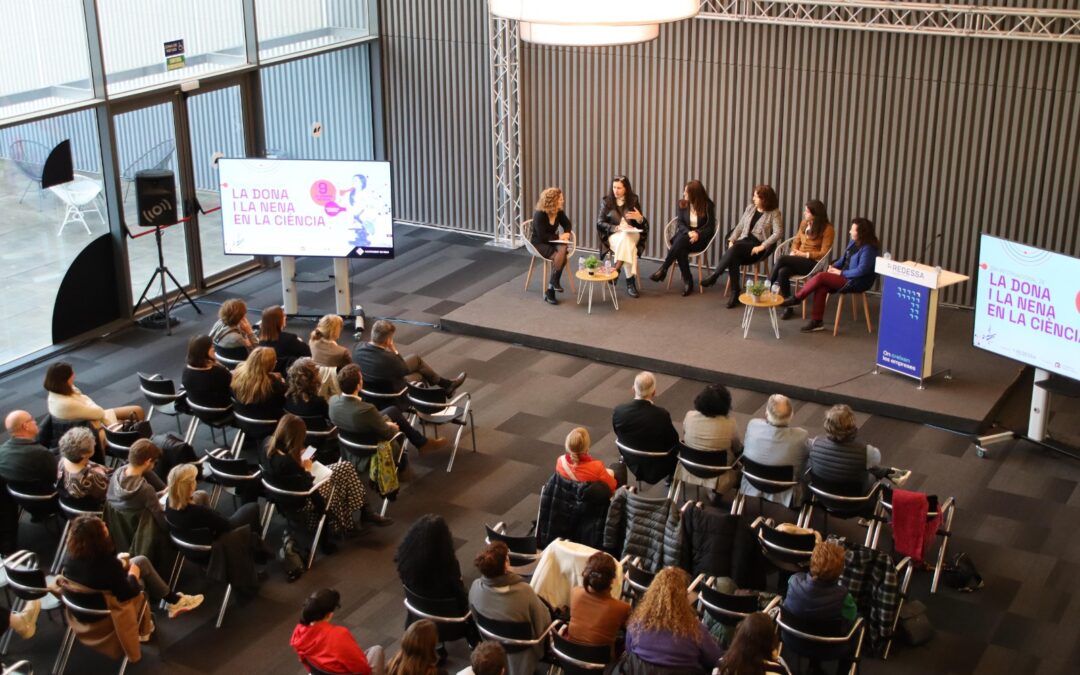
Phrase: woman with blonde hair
[258,390]
[188,508]
[577,464]
[664,630]
[548,219]
[419,651]
[323,343]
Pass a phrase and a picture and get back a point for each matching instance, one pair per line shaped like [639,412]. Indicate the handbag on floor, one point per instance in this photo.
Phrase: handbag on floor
[960,573]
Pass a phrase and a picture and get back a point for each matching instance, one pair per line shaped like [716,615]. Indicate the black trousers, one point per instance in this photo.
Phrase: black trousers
[738,254]
[680,251]
[397,417]
[787,267]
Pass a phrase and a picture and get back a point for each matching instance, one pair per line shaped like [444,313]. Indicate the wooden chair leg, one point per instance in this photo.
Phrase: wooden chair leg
[570,274]
[866,311]
[854,310]
[671,274]
[700,288]
[528,277]
[839,308]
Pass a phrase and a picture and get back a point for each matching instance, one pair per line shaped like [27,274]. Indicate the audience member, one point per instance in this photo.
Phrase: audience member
[23,622]
[92,561]
[696,224]
[302,394]
[838,457]
[67,403]
[188,508]
[418,654]
[351,414]
[641,424]
[135,487]
[504,596]
[82,479]
[232,329]
[325,349]
[711,427]
[487,658]
[623,229]
[755,236]
[258,390]
[207,382]
[754,649]
[595,617]
[383,365]
[812,241]
[287,346]
[426,562]
[817,595]
[665,631]
[22,458]
[773,443]
[329,647]
[576,464]
[548,219]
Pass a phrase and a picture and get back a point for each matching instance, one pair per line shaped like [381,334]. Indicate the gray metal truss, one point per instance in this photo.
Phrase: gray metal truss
[1014,23]
[505,69]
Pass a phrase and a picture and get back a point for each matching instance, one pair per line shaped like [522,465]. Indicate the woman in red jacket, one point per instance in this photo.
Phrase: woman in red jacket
[330,648]
[576,464]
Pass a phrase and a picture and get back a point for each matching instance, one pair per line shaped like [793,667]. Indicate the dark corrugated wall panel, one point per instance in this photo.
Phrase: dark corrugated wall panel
[922,134]
[435,65]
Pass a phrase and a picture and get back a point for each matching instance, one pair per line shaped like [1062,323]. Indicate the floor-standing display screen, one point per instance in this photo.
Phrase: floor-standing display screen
[336,209]
[1028,305]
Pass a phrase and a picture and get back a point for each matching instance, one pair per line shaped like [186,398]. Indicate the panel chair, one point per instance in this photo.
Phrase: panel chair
[761,268]
[443,612]
[699,257]
[844,502]
[797,280]
[946,510]
[822,641]
[574,658]
[854,310]
[195,546]
[769,480]
[432,405]
[27,582]
[702,464]
[163,396]
[526,237]
[280,496]
[647,465]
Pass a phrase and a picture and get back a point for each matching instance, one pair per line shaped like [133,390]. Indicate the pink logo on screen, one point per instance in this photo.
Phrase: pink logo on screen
[1078,302]
[323,193]
[1030,257]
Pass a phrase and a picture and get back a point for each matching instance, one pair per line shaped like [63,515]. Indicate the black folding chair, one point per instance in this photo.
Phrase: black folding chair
[704,464]
[432,405]
[162,395]
[575,658]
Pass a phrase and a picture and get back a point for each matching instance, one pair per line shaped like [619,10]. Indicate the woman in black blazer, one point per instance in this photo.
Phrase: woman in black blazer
[548,219]
[696,224]
[288,346]
[623,229]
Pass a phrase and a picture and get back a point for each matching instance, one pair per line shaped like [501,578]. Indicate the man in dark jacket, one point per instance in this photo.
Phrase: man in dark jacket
[643,425]
[350,413]
[838,457]
[384,367]
[22,459]
[135,487]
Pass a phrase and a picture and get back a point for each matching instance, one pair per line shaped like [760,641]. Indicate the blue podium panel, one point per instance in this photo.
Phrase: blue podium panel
[905,313]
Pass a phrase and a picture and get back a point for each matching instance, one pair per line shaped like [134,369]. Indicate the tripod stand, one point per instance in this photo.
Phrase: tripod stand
[163,271]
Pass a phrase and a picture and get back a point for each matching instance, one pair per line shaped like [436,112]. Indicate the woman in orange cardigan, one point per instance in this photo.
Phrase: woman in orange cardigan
[813,241]
[576,464]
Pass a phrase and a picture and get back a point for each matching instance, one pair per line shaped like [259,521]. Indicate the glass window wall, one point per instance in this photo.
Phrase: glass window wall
[291,26]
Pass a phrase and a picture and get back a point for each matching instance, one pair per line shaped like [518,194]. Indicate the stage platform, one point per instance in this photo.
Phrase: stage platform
[697,337]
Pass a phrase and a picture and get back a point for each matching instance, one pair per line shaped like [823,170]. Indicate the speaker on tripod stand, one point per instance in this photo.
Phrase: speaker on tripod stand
[155,198]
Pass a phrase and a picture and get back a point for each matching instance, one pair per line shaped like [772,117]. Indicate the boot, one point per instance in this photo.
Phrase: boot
[631,287]
[660,274]
[557,281]
[549,296]
[711,279]
[687,287]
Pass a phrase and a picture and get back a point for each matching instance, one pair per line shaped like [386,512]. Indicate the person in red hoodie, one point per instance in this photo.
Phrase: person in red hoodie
[330,648]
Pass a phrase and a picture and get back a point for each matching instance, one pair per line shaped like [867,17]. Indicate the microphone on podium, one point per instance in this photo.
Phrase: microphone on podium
[928,246]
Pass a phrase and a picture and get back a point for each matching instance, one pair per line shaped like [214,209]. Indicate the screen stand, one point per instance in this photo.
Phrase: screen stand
[342,296]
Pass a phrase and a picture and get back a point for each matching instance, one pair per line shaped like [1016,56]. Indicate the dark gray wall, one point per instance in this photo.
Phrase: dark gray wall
[921,134]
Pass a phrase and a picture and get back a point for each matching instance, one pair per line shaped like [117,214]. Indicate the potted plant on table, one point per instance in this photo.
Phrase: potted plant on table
[756,289]
[591,264]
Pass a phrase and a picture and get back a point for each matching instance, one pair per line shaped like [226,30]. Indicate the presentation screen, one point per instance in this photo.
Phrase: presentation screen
[293,207]
[1028,305]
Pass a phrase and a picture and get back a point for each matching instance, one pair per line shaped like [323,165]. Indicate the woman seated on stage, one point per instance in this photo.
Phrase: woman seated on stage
[852,273]
[696,219]
[548,218]
[288,346]
[232,329]
[206,381]
[576,464]
[258,390]
[812,242]
[618,223]
[66,403]
[323,343]
[710,426]
[760,227]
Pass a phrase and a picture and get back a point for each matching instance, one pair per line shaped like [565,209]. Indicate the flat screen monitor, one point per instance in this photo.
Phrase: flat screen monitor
[1028,305]
[299,207]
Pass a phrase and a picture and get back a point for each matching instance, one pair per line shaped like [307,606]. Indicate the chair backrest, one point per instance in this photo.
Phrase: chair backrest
[232,472]
[210,414]
[514,636]
[377,392]
[195,544]
[823,640]
[427,399]
[77,603]
[768,479]
[787,550]
[886,502]
[704,463]
[649,466]
[29,157]
[357,444]
[252,426]
[574,657]
[230,357]
[25,577]
[73,508]
[118,442]
[637,578]
[439,610]
[843,500]
[157,389]
[522,547]
[314,670]
[727,608]
[526,238]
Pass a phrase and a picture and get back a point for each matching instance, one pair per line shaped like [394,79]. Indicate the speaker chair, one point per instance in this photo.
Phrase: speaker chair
[854,310]
[702,255]
[526,237]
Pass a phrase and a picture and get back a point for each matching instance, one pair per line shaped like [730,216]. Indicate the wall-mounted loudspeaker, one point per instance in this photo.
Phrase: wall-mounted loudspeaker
[155,195]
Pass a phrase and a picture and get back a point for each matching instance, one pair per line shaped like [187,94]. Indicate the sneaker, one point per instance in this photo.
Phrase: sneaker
[186,603]
[434,444]
[24,622]
[813,326]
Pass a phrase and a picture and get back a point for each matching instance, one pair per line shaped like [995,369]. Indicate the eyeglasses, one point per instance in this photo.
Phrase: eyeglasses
[619,178]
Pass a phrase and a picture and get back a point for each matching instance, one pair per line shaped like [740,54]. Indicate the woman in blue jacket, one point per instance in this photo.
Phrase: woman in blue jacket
[852,273]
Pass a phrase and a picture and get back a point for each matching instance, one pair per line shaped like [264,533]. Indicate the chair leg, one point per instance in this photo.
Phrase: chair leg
[315,540]
[528,277]
[9,632]
[472,429]
[267,517]
[570,276]
[866,311]
[177,569]
[192,428]
[66,646]
[58,558]
[839,307]
[123,666]
[150,414]
[854,310]
[224,606]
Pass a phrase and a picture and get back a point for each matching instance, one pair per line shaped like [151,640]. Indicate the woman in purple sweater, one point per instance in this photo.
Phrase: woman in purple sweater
[665,631]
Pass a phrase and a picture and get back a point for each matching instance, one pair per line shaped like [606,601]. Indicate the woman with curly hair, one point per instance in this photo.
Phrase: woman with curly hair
[258,390]
[595,616]
[427,564]
[754,649]
[759,229]
[302,395]
[548,219]
[623,229]
[664,630]
[418,655]
[325,349]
